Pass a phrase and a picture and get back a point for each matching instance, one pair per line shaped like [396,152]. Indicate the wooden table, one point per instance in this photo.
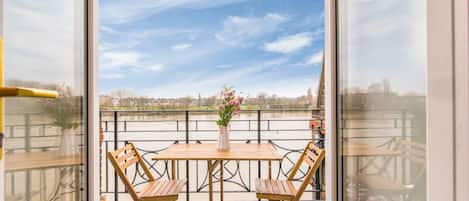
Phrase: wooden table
[28,161]
[214,157]
[365,150]
[39,160]
[358,150]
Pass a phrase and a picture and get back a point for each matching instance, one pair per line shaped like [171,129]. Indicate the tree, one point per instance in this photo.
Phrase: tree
[310,96]
[122,93]
[186,101]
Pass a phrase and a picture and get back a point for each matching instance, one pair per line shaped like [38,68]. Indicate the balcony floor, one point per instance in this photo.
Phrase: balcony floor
[204,197]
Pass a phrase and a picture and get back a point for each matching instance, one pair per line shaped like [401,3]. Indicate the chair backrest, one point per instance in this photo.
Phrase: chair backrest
[123,158]
[312,156]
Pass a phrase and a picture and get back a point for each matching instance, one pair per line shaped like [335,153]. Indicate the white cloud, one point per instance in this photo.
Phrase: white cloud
[111,76]
[115,59]
[131,60]
[289,44]
[207,84]
[240,30]
[224,66]
[107,29]
[154,67]
[316,58]
[182,46]
[125,11]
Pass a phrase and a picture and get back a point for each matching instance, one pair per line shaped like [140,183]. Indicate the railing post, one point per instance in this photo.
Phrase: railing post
[404,136]
[404,123]
[27,132]
[116,128]
[259,141]
[27,146]
[319,172]
[187,161]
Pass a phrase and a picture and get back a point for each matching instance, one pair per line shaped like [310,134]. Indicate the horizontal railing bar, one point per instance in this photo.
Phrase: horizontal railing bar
[181,131]
[206,120]
[209,140]
[210,110]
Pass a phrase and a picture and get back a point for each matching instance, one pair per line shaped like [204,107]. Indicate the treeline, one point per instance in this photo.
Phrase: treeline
[127,101]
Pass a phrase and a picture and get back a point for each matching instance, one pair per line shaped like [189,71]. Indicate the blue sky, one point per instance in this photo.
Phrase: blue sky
[175,48]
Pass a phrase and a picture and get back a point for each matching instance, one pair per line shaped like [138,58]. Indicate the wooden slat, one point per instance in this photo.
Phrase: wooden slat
[308,161]
[162,189]
[275,189]
[129,163]
[119,151]
[125,157]
[312,155]
[292,188]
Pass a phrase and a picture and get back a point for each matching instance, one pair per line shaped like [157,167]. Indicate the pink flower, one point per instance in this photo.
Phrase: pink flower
[240,99]
[220,107]
[234,102]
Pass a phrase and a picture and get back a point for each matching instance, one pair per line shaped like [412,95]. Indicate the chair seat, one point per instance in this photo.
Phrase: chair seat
[275,189]
[162,190]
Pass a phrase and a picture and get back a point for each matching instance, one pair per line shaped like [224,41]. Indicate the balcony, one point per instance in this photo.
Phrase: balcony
[153,131]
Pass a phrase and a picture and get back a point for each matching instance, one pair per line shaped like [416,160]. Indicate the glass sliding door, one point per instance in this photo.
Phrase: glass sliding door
[44,47]
[381,77]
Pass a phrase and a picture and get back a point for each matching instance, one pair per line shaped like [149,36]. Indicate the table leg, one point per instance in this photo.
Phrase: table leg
[270,169]
[221,179]
[77,183]
[173,169]
[210,183]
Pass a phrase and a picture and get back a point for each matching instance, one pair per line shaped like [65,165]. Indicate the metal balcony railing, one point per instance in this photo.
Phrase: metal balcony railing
[153,131]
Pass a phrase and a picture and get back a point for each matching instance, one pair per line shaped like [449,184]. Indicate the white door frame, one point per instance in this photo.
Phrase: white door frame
[93,193]
[447,100]
[461,47]
[331,98]
[440,100]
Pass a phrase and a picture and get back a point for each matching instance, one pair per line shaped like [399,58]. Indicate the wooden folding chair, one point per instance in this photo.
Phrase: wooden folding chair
[155,190]
[378,185]
[284,189]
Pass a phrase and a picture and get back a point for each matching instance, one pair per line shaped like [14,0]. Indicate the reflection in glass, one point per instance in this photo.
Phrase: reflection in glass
[45,138]
[382,70]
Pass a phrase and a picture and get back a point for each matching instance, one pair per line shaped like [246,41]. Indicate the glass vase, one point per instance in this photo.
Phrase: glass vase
[223,138]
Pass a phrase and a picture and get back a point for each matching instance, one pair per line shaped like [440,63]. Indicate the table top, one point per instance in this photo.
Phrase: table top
[238,151]
[39,160]
[358,149]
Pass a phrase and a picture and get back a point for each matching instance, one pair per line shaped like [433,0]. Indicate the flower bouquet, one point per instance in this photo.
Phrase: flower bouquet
[230,107]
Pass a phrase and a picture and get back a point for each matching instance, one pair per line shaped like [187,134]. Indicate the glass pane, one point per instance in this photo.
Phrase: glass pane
[45,138]
[382,92]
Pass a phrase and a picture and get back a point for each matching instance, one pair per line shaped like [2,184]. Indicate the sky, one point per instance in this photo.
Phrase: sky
[176,48]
